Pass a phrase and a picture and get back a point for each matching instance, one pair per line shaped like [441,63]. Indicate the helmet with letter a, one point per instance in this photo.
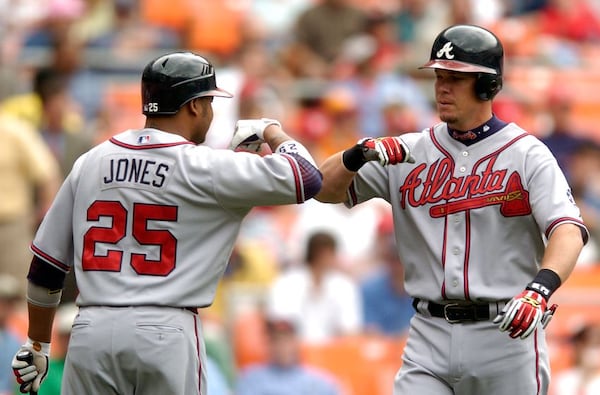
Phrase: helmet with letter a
[174,79]
[470,49]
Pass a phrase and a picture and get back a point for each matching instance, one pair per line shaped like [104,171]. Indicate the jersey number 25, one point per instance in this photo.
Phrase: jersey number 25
[142,213]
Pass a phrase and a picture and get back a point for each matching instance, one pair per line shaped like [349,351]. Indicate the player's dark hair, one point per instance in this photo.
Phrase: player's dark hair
[318,242]
[47,82]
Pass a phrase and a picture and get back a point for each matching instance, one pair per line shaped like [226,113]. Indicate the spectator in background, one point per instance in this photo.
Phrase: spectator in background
[416,24]
[29,179]
[29,106]
[320,299]
[584,377]
[561,137]
[65,141]
[341,126]
[372,87]
[55,24]
[129,32]
[387,308]
[283,374]
[318,35]
[10,295]
[584,171]
[572,20]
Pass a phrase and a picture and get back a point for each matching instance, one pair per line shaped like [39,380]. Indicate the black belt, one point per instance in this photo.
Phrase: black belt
[191,309]
[457,312]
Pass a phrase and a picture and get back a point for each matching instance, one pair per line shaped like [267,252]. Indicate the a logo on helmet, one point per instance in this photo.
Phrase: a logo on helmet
[446,50]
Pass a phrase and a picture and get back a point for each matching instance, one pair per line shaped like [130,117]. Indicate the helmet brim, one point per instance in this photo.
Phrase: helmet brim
[216,92]
[455,65]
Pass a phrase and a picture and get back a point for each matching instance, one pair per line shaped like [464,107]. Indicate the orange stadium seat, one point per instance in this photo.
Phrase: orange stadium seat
[363,365]
[172,14]
[249,338]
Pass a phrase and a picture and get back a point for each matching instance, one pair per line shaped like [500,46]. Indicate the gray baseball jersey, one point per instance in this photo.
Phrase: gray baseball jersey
[471,223]
[470,220]
[148,204]
[148,221]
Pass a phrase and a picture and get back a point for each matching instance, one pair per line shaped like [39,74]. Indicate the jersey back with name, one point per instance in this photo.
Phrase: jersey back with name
[149,218]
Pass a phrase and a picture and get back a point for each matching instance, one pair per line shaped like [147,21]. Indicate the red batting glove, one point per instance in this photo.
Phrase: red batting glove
[523,313]
[386,150]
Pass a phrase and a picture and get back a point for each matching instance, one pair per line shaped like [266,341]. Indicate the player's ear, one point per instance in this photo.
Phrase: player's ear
[194,107]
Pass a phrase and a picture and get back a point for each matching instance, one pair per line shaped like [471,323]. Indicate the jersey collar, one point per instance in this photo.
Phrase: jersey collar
[479,133]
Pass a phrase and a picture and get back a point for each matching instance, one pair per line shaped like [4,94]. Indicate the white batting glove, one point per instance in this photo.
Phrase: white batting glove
[386,150]
[30,365]
[249,133]
[523,313]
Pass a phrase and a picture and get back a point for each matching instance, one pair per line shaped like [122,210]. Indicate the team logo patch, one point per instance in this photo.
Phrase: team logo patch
[446,50]
[143,139]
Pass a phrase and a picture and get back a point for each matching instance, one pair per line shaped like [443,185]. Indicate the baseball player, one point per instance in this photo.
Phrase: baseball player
[148,220]
[485,225]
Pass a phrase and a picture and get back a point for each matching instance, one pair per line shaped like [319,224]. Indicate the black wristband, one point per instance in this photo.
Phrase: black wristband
[354,158]
[545,283]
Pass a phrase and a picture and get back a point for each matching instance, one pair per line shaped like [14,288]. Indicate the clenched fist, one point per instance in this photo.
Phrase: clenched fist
[249,133]
[386,150]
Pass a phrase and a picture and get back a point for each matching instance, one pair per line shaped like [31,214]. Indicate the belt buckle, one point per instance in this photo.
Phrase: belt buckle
[446,306]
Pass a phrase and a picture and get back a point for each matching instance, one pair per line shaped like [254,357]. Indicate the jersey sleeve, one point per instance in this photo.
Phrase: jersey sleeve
[550,195]
[53,241]
[247,180]
[370,181]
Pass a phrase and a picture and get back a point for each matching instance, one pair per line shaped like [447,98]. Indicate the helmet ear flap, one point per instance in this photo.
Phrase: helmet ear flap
[487,86]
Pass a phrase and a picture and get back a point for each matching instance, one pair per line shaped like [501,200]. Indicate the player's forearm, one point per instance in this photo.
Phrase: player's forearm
[40,322]
[336,180]
[562,250]
[275,136]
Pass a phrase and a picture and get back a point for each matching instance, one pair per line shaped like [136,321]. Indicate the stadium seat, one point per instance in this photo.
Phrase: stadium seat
[249,338]
[364,365]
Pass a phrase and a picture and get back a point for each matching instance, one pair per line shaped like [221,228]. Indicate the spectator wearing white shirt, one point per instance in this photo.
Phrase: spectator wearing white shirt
[323,301]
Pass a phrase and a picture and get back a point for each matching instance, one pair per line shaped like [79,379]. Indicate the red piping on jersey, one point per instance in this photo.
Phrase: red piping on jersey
[198,352]
[50,259]
[352,191]
[447,154]
[294,166]
[467,254]
[537,362]
[149,146]
[468,217]
[560,220]
[444,256]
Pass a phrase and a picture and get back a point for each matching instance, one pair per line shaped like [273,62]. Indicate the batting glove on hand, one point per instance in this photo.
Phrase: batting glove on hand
[30,366]
[249,133]
[386,150]
[523,313]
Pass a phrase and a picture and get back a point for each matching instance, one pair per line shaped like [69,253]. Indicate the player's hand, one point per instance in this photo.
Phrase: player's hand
[523,313]
[30,368]
[249,133]
[386,150]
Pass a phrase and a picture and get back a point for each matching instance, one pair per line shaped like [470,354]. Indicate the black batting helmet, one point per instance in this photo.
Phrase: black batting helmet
[470,49]
[170,81]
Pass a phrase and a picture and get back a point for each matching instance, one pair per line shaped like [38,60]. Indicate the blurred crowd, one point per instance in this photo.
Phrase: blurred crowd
[332,71]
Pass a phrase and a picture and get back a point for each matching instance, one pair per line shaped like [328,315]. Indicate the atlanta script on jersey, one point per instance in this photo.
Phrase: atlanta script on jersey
[477,216]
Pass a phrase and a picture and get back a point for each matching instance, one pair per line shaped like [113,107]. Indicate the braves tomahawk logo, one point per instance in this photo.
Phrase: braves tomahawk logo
[449,194]
[446,50]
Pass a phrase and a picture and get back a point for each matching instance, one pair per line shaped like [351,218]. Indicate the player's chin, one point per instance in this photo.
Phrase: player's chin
[448,117]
